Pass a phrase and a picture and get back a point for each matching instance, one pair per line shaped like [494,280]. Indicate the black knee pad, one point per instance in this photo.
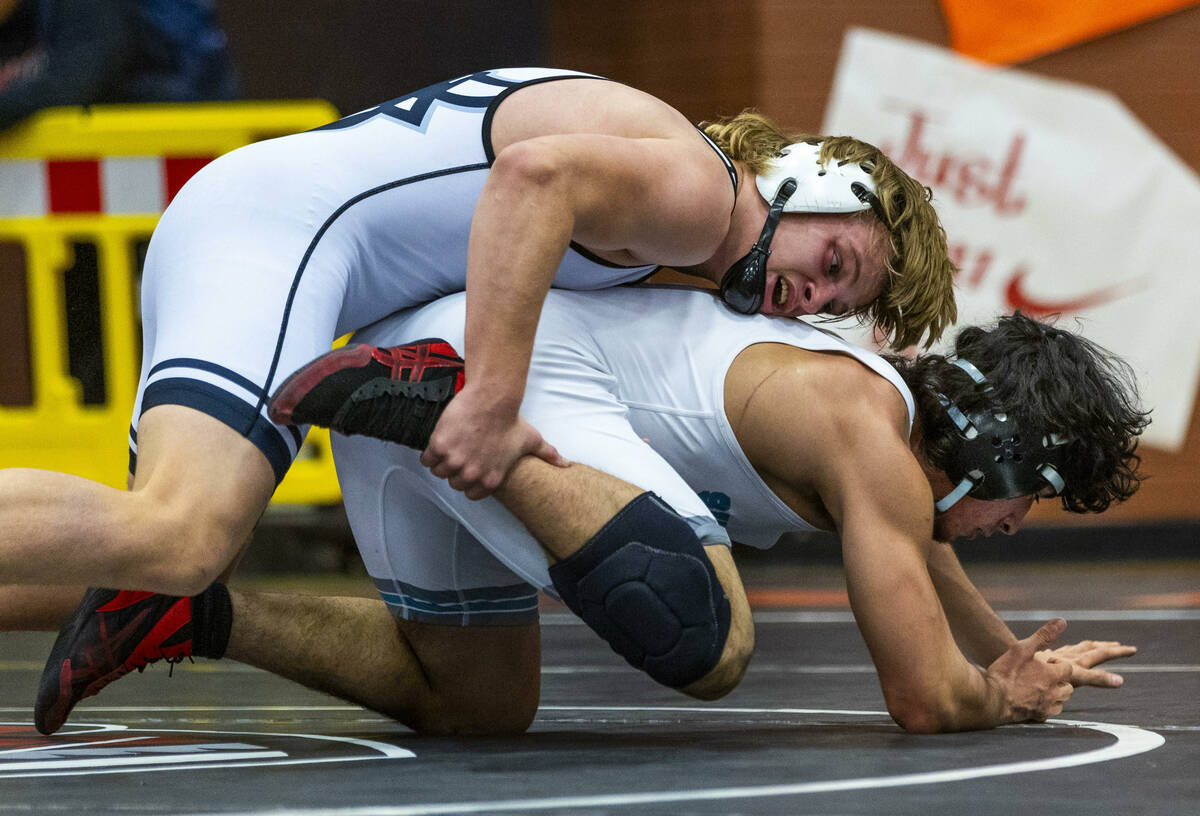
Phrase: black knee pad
[644,584]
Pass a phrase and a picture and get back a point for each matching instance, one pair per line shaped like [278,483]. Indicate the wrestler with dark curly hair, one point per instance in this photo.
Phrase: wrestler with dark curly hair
[1072,392]
[743,428]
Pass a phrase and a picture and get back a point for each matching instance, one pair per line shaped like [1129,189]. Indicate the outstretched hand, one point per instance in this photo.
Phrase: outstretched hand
[475,445]
[1034,689]
[1085,655]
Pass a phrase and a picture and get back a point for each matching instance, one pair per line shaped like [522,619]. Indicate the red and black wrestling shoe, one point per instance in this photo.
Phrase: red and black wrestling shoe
[111,633]
[396,393]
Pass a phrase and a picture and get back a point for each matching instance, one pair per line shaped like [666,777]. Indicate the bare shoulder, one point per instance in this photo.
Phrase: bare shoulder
[645,186]
[583,105]
[826,389]
[815,424]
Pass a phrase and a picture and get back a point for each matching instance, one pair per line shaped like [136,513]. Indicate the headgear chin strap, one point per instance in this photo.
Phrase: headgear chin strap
[795,181]
[743,285]
[996,459]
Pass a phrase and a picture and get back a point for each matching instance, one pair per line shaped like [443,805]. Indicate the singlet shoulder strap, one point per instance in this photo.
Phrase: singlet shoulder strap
[729,166]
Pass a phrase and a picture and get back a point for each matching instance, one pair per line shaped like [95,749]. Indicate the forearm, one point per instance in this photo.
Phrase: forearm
[929,685]
[963,701]
[980,632]
[934,691]
[520,232]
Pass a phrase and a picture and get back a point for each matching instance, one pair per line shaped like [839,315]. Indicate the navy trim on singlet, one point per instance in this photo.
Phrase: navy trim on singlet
[730,167]
[218,403]
[224,407]
[205,365]
[485,131]
[478,606]
[420,103]
[489,151]
[596,259]
[312,246]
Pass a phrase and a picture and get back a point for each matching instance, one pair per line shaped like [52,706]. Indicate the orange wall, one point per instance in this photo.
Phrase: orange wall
[715,57]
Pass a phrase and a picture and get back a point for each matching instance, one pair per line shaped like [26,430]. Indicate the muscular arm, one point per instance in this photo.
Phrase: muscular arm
[928,684]
[642,196]
[847,446]
[980,632]
[648,199]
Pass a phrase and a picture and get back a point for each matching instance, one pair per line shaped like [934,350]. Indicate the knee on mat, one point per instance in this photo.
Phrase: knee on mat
[645,584]
[458,716]
[729,671]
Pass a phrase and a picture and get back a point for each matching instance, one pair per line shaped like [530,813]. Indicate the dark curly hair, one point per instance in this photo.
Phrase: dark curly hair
[1048,379]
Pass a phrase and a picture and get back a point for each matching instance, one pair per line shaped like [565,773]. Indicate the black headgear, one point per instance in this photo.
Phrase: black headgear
[996,459]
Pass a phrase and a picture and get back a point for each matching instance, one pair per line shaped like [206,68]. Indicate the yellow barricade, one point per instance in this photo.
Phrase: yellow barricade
[80,193]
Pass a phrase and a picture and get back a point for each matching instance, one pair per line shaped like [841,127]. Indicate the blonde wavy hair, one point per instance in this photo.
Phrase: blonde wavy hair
[918,298]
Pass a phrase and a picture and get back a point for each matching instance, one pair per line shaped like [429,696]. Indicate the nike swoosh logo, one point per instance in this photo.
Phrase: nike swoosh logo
[1018,298]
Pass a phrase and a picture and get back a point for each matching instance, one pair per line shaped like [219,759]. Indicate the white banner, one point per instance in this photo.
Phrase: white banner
[1055,199]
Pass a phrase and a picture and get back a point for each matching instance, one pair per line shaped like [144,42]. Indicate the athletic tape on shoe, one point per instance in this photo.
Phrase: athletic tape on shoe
[645,585]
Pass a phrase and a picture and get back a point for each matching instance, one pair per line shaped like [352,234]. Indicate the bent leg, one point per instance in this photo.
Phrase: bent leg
[571,398]
[454,647]
[200,488]
[436,679]
[564,509]
[210,484]
[739,644]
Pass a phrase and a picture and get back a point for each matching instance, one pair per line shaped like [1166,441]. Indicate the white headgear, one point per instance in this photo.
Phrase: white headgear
[828,189]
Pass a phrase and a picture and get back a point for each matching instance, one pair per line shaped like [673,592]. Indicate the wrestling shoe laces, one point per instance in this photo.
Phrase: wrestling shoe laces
[395,393]
[111,633]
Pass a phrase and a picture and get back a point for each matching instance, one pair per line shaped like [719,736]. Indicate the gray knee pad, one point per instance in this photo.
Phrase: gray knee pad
[644,584]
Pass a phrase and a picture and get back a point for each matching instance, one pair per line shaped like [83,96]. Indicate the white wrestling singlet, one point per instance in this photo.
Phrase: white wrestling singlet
[629,381]
[273,250]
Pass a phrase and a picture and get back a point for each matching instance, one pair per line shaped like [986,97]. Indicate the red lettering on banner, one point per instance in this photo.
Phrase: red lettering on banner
[980,268]
[1008,172]
[972,180]
[973,264]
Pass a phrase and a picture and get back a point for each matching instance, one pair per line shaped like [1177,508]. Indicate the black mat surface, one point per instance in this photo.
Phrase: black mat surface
[804,734]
